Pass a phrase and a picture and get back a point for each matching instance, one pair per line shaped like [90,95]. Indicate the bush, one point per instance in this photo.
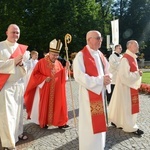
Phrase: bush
[145,88]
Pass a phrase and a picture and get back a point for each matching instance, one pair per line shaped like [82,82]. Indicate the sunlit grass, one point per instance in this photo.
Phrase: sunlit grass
[146,77]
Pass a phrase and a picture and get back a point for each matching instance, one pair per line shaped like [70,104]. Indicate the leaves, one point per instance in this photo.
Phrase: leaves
[42,21]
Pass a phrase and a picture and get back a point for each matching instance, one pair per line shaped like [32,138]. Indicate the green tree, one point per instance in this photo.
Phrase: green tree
[42,21]
[139,24]
[105,19]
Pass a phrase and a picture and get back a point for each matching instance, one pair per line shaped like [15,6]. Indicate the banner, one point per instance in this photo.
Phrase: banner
[115,31]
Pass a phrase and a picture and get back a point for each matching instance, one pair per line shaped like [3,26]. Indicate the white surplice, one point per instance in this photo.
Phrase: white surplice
[120,104]
[11,97]
[30,64]
[114,62]
[88,140]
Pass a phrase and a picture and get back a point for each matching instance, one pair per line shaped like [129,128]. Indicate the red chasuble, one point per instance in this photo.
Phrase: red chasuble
[19,51]
[134,93]
[96,101]
[52,106]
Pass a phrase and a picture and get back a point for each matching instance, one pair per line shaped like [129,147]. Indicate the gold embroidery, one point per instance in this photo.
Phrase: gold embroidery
[51,66]
[51,102]
[97,108]
[134,99]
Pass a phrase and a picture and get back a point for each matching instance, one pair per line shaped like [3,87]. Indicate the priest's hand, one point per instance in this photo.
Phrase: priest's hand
[107,79]
[47,79]
[140,72]
[18,59]
[67,64]
[20,63]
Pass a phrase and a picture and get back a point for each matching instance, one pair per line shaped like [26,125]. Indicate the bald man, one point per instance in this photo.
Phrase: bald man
[124,104]
[11,88]
[90,69]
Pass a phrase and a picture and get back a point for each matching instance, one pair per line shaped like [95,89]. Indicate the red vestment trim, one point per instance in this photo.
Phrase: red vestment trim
[134,92]
[96,101]
[19,50]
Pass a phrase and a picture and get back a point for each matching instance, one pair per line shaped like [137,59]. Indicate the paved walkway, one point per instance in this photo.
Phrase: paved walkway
[60,139]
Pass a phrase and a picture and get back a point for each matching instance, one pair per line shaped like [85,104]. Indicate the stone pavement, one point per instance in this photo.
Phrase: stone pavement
[60,139]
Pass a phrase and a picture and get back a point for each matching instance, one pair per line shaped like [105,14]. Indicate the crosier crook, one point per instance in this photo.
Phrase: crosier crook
[68,39]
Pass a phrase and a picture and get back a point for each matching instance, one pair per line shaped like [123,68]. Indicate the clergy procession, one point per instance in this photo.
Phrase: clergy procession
[35,95]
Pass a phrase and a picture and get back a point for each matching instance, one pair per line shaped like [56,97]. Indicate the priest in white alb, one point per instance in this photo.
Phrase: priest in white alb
[90,69]
[124,105]
[11,88]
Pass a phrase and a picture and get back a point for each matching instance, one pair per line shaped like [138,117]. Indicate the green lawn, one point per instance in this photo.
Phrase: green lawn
[146,77]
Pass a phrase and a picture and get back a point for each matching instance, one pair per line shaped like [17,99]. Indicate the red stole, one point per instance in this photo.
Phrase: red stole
[134,93]
[20,50]
[96,101]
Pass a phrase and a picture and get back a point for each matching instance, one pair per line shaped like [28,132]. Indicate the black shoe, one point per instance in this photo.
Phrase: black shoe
[138,132]
[45,127]
[65,126]
[6,148]
[113,124]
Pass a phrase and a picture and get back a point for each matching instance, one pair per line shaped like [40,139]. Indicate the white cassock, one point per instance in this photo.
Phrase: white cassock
[88,140]
[11,97]
[119,110]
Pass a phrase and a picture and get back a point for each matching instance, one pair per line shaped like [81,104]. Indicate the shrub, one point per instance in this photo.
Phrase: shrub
[145,88]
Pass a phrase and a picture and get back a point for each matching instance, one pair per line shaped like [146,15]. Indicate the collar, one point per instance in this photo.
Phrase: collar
[91,50]
[131,54]
[10,43]
[117,54]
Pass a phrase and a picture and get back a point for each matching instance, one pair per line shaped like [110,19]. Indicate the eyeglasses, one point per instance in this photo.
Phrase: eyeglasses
[15,32]
[97,38]
[54,55]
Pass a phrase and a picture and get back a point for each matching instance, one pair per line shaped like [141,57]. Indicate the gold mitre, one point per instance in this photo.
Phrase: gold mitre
[55,46]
